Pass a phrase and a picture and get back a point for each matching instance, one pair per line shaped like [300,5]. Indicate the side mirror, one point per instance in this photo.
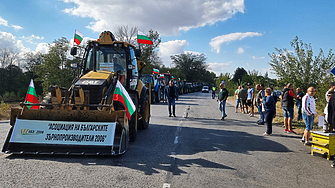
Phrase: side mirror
[74,51]
[138,53]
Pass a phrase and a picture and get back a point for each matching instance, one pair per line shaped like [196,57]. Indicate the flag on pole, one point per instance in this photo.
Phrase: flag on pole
[121,95]
[78,37]
[155,71]
[31,96]
[143,39]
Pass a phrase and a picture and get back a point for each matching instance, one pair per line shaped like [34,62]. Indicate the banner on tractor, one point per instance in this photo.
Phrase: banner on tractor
[63,132]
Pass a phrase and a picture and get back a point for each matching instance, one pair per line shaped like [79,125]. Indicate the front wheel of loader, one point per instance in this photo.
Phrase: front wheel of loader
[133,123]
[145,113]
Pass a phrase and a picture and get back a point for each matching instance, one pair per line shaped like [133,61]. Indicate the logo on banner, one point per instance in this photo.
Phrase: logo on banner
[31,132]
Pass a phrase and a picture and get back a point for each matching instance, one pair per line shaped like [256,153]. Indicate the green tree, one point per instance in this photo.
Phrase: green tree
[238,74]
[300,67]
[54,68]
[150,52]
[192,66]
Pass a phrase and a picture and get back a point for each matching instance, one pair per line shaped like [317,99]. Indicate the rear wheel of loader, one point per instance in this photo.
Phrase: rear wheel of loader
[145,113]
[133,122]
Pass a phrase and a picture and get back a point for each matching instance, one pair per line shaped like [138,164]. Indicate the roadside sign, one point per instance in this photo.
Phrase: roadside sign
[332,71]
[222,81]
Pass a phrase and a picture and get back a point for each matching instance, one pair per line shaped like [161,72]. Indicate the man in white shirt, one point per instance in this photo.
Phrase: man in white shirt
[309,112]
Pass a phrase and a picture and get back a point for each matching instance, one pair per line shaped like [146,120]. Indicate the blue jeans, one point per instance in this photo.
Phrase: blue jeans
[222,108]
[299,111]
[261,114]
[288,112]
[171,101]
[238,102]
[309,121]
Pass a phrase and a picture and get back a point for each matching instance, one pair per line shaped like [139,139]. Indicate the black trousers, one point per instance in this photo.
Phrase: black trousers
[268,117]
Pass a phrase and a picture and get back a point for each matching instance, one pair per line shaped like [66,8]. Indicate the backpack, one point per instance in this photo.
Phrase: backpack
[274,95]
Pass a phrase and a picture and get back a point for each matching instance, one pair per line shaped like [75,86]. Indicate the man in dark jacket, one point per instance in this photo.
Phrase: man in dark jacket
[171,94]
[288,107]
[223,95]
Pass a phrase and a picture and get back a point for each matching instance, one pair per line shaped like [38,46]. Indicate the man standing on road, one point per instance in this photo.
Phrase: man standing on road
[223,95]
[258,100]
[243,93]
[250,100]
[288,107]
[171,94]
[298,102]
[238,99]
[309,112]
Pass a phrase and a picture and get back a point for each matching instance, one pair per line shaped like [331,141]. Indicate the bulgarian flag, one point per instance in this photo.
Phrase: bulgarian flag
[156,71]
[143,39]
[121,95]
[161,76]
[31,96]
[78,37]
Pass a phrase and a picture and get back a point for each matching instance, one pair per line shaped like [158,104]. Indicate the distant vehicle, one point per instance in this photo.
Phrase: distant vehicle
[205,89]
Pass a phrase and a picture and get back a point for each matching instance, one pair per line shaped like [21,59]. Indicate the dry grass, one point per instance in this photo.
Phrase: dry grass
[298,126]
[5,110]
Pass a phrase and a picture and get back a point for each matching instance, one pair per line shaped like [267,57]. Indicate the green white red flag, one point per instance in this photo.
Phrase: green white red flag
[31,96]
[161,76]
[155,71]
[143,39]
[121,95]
[78,37]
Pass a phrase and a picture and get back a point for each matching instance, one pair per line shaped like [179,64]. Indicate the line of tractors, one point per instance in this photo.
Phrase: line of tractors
[157,82]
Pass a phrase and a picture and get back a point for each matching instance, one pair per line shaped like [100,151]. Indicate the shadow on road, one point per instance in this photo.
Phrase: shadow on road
[154,149]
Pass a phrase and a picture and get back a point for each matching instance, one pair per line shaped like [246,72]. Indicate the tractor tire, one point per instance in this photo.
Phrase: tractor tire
[133,122]
[145,113]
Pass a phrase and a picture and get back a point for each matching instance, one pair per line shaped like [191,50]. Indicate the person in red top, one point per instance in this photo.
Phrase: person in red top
[288,107]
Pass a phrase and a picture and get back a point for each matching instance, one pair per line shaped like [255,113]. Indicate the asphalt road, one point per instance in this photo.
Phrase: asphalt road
[194,149]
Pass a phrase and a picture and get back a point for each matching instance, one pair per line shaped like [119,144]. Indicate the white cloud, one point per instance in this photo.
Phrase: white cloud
[42,47]
[166,49]
[217,41]
[8,40]
[240,50]
[254,57]
[172,47]
[192,52]
[31,38]
[17,27]
[218,68]
[167,17]
[3,22]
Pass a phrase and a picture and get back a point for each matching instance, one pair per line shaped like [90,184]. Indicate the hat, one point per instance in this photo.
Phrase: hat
[248,84]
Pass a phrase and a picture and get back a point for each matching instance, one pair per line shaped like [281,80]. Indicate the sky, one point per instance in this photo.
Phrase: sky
[230,33]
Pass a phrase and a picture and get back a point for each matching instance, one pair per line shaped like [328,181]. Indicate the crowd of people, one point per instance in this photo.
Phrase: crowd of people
[265,102]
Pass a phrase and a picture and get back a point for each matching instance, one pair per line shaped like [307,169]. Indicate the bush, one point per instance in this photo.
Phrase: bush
[9,96]
[4,108]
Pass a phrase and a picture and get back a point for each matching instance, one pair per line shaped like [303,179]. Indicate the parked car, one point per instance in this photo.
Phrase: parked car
[205,89]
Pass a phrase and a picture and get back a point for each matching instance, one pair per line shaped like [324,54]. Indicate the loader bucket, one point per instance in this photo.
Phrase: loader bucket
[69,132]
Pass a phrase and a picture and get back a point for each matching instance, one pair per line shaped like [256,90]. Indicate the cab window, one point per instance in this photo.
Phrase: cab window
[134,78]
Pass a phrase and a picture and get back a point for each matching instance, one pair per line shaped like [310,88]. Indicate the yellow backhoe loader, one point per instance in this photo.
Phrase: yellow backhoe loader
[84,119]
